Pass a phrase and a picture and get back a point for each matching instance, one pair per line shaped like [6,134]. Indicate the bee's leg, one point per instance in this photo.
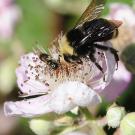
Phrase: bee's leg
[115,56]
[93,59]
[59,58]
[112,50]
[72,59]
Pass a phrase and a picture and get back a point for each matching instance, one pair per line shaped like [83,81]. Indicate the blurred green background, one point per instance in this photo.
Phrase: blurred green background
[41,21]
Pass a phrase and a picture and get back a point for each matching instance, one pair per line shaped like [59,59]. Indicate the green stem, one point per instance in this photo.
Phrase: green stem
[86,113]
[70,114]
[73,128]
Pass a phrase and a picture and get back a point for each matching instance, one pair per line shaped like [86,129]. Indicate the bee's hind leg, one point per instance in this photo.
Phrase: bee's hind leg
[93,59]
[112,50]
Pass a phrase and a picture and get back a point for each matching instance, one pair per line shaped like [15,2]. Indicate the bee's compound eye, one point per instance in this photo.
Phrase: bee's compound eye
[53,64]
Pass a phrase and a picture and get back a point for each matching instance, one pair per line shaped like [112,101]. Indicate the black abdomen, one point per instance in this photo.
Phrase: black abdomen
[97,30]
[83,37]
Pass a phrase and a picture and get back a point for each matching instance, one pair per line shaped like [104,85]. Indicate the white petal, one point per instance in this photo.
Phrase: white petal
[30,87]
[122,12]
[31,64]
[28,108]
[71,94]
[10,15]
[61,102]
[111,65]
[109,68]
[26,76]
[121,80]
[82,95]
[122,74]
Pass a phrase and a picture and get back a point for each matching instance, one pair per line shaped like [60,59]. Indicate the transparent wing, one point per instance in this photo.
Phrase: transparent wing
[92,11]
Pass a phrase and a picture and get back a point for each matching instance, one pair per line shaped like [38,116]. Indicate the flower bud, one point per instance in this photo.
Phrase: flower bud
[41,127]
[128,56]
[114,115]
[127,125]
[7,78]
[64,121]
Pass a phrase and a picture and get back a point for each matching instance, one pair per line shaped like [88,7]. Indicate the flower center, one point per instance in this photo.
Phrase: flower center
[69,72]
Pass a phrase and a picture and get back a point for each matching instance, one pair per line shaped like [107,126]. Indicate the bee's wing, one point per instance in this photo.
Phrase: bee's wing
[92,11]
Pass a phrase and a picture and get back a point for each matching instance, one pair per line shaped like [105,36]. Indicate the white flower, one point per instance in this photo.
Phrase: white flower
[119,83]
[65,88]
[114,115]
[72,93]
[127,125]
[126,14]
[122,12]
[9,14]
[41,127]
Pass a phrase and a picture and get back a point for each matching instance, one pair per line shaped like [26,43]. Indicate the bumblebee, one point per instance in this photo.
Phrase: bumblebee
[87,35]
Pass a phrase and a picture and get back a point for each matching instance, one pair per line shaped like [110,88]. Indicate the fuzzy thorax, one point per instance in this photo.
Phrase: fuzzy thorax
[64,46]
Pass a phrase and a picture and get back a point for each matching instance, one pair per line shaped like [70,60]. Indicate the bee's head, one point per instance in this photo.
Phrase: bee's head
[53,64]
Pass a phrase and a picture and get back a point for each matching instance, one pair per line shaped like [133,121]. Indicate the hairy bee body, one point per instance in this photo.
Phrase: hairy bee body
[82,40]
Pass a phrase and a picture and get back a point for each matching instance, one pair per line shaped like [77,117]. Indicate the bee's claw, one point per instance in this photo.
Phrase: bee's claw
[116,66]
